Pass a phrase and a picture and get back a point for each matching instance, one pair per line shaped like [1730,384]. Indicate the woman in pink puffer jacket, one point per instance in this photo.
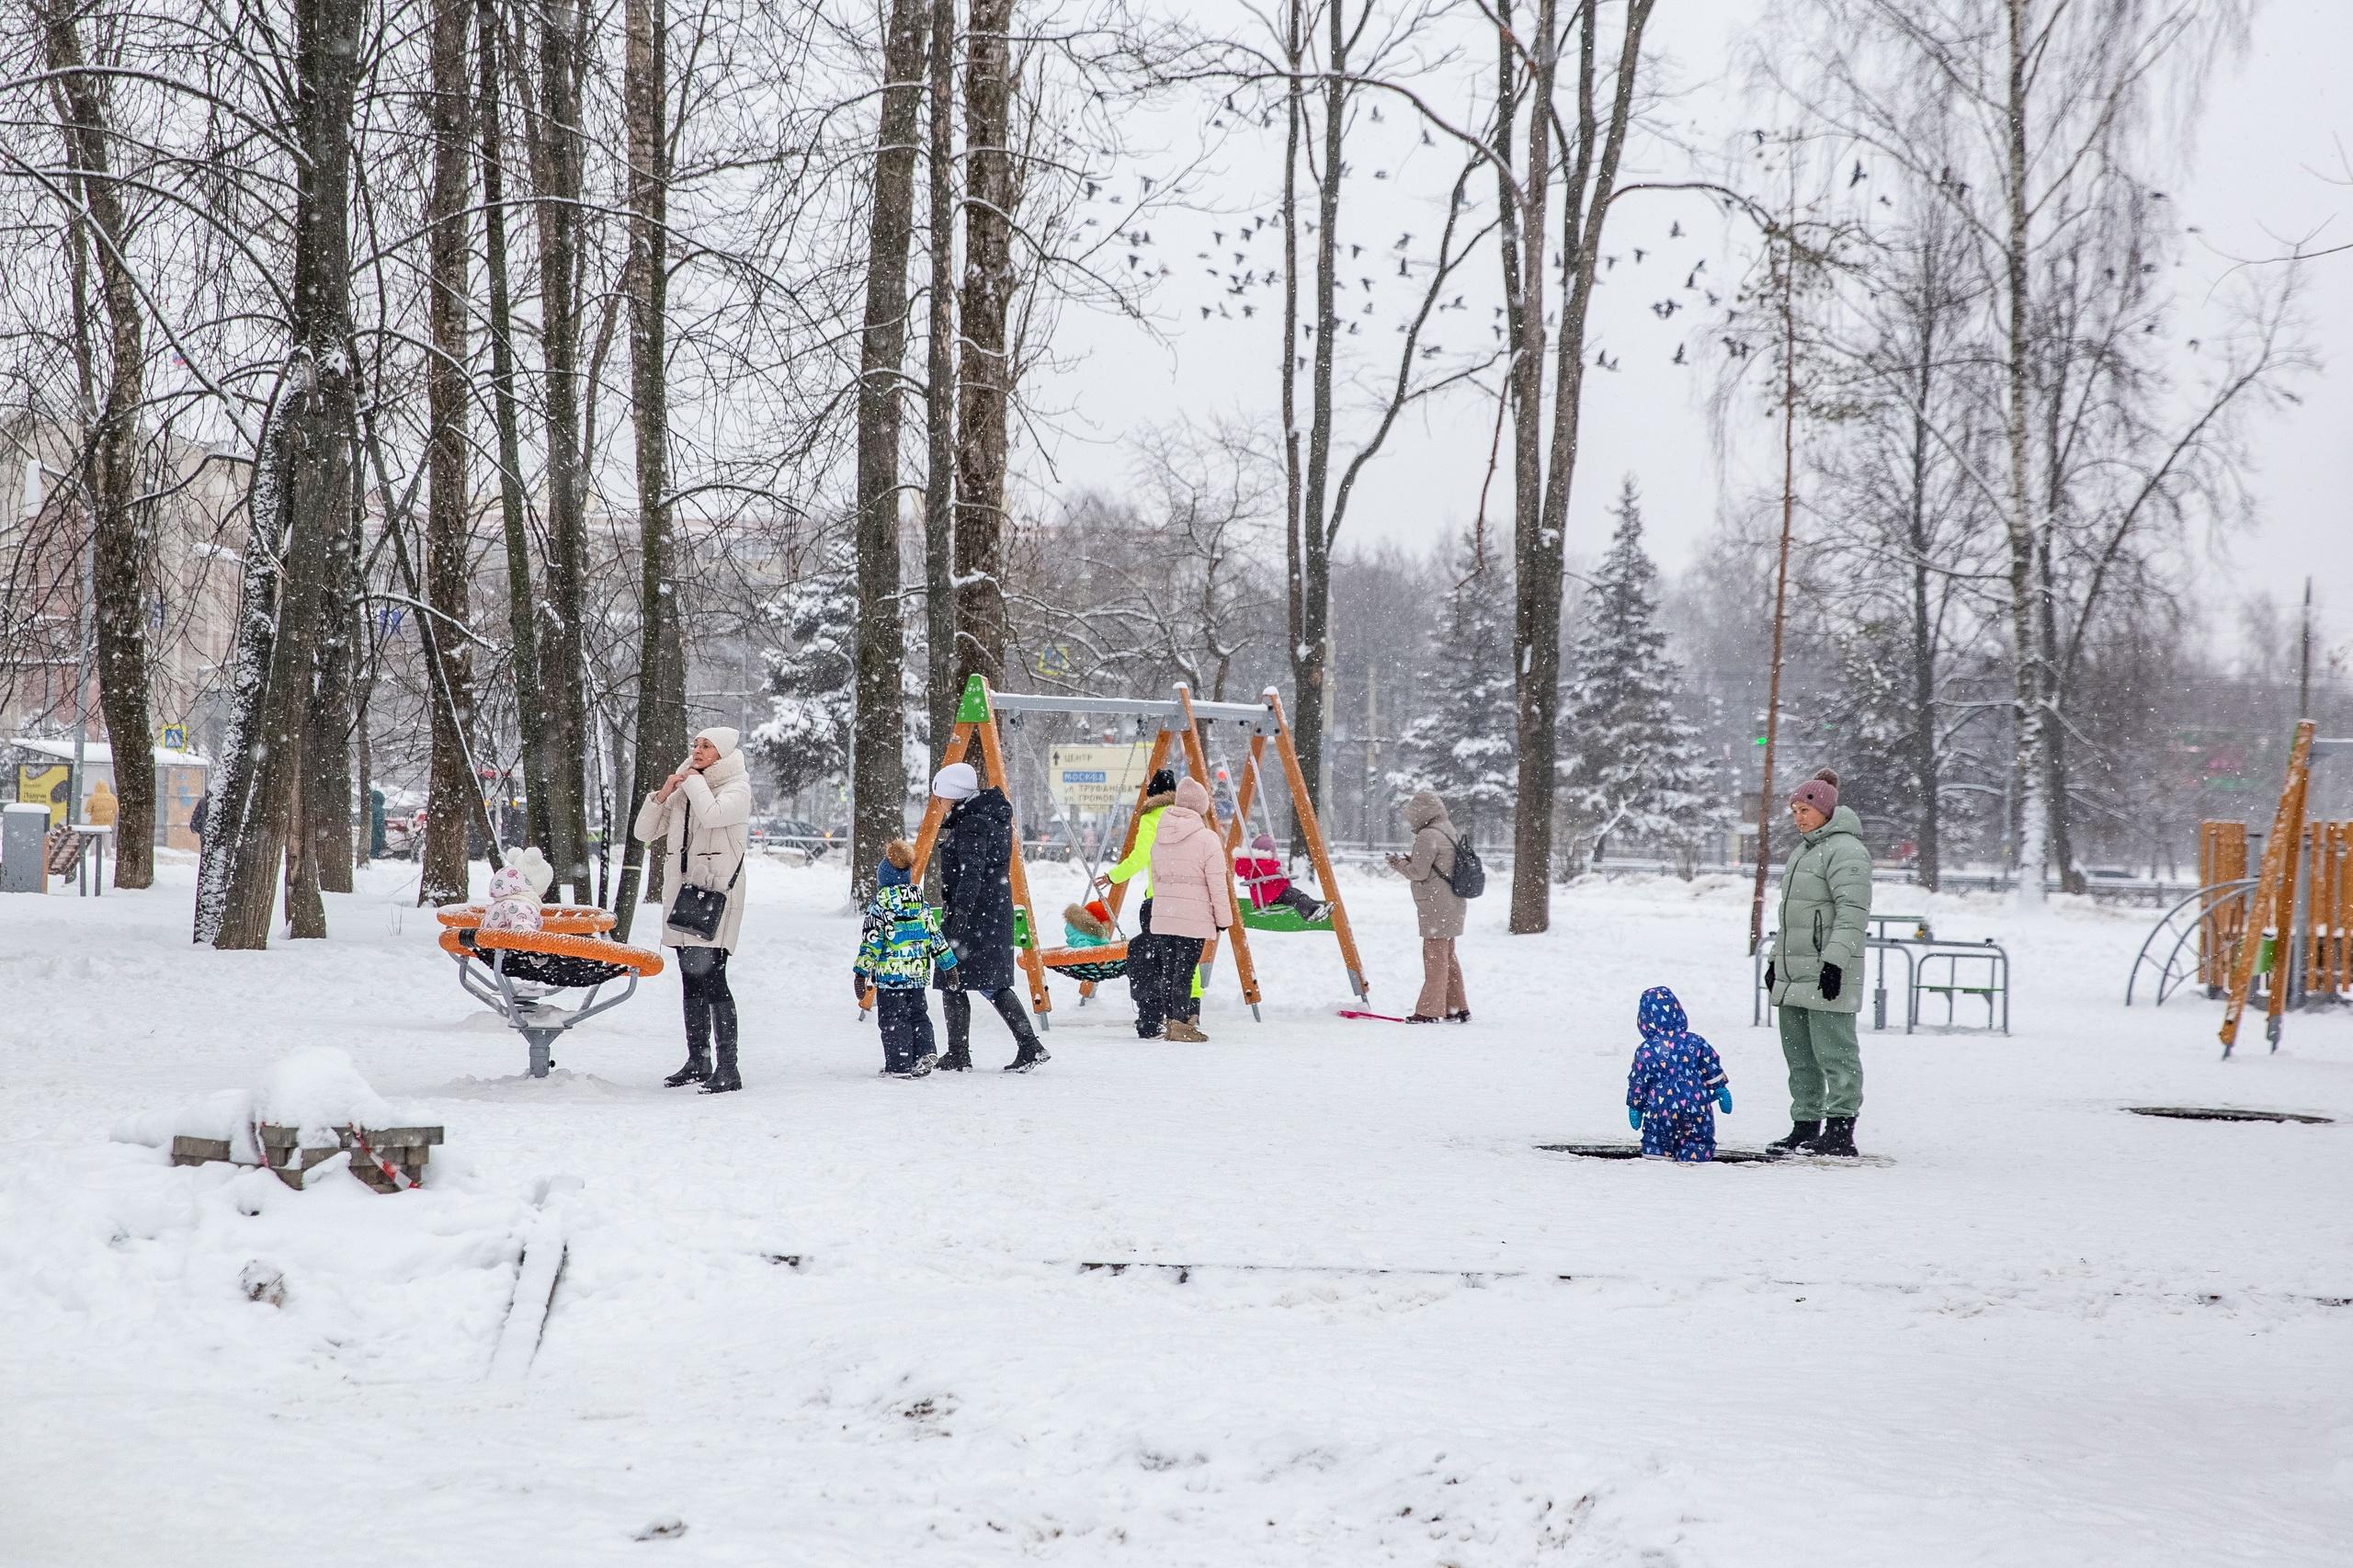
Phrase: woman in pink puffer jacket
[1192,899]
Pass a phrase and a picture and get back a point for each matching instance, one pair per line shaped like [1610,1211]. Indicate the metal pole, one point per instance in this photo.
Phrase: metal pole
[2304,665]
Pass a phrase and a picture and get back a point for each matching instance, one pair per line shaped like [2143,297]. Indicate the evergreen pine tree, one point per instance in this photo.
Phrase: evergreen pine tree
[1463,747]
[1632,765]
[806,738]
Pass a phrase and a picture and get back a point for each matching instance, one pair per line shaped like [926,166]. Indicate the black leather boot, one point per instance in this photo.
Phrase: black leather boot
[1799,1141]
[1837,1137]
[723,1079]
[696,1071]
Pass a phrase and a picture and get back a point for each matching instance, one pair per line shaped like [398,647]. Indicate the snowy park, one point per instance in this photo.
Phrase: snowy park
[1194,783]
[1310,1292]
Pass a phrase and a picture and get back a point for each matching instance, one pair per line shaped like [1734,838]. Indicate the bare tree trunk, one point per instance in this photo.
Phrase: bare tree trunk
[1294,499]
[563,664]
[983,389]
[879,784]
[2055,397]
[1540,546]
[302,496]
[121,527]
[326,744]
[939,393]
[1311,549]
[531,719]
[2033,765]
[449,789]
[1925,740]
[1535,600]
[660,743]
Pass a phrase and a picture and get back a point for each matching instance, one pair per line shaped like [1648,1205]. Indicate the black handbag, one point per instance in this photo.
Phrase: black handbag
[697,911]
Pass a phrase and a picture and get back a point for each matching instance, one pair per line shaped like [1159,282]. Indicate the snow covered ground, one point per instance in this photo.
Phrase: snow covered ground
[837,1319]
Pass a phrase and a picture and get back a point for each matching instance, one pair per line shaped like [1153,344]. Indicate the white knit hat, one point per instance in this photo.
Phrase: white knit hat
[721,738]
[533,863]
[956,781]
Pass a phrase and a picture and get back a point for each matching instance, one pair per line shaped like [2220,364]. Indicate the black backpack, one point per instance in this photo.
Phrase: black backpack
[1469,878]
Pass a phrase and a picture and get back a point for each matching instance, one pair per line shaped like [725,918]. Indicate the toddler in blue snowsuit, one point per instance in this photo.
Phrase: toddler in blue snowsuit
[1675,1075]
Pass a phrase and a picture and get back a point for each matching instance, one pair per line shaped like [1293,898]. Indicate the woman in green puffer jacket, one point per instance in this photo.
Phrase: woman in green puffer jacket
[1816,971]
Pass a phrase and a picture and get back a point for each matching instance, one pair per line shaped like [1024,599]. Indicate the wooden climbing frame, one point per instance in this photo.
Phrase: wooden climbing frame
[2222,858]
[2275,920]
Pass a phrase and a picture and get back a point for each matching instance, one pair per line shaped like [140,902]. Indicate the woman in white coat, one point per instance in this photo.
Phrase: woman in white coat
[702,815]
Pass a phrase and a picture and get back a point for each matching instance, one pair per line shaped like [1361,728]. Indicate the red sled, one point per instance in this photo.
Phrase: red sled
[1384,1017]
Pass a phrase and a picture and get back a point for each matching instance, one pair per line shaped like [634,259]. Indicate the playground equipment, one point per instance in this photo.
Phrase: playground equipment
[1179,723]
[2287,929]
[1935,966]
[572,951]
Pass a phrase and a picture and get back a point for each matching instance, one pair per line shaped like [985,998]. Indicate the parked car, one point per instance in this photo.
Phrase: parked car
[789,834]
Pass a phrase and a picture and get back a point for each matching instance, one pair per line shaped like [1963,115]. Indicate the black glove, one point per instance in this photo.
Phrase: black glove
[953,978]
[1831,980]
[1769,977]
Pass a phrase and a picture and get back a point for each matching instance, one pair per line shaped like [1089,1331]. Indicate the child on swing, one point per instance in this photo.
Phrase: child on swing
[515,889]
[1088,925]
[1262,872]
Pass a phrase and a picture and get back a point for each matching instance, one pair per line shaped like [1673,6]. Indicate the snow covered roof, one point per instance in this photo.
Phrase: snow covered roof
[102,753]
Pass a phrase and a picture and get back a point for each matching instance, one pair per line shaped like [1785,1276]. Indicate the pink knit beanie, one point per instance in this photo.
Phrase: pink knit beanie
[1820,793]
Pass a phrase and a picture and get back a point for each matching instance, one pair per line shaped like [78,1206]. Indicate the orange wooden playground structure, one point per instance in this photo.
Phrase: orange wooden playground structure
[1180,723]
[2291,923]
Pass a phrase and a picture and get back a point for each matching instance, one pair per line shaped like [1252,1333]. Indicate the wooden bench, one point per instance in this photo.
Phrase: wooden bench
[406,1148]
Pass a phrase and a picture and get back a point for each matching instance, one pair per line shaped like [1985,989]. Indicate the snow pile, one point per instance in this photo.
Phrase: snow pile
[316,1089]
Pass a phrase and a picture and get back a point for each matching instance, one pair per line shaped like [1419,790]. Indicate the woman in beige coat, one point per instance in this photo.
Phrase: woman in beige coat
[702,815]
[1428,864]
[1191,902]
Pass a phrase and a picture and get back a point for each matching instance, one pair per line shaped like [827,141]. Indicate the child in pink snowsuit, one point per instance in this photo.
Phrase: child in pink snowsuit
[1261,872]
[514,903]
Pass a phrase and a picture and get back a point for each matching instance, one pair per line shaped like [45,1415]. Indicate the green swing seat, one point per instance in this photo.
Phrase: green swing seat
[1282,918]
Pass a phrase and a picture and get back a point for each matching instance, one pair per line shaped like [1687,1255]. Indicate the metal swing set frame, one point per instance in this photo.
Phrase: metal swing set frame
[1180,722]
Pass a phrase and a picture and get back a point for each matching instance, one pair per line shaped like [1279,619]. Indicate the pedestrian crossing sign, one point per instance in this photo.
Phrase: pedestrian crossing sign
[174,738]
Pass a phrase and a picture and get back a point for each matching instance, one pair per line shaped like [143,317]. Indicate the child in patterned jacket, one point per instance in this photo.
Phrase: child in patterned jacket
[1676,1074]
[896,952]
[514,903]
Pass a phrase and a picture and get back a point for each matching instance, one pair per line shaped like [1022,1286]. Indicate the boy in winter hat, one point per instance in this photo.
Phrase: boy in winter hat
[1262,872]
[514,903]
[1676,1074]
[897,949]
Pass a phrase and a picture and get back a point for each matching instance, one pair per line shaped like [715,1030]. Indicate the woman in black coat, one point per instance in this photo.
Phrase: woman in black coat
[974,856]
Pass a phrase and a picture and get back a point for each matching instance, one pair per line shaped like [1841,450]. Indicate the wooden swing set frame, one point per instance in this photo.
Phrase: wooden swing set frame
[1180,720]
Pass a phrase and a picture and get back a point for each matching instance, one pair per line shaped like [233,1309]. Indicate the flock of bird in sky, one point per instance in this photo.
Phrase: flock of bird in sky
[1246,280]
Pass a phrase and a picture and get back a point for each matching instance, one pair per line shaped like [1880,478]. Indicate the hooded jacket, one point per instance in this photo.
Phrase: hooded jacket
[1675,1070]
[1825,913]
[1192,892]
[1138,860]
[975,858]
[704,829]
[1428,863]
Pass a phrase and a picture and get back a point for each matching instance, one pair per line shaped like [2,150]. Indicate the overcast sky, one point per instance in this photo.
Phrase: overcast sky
[2276,124]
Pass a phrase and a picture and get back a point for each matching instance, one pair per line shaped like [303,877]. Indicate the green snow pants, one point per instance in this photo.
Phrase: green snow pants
[1825,1063]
